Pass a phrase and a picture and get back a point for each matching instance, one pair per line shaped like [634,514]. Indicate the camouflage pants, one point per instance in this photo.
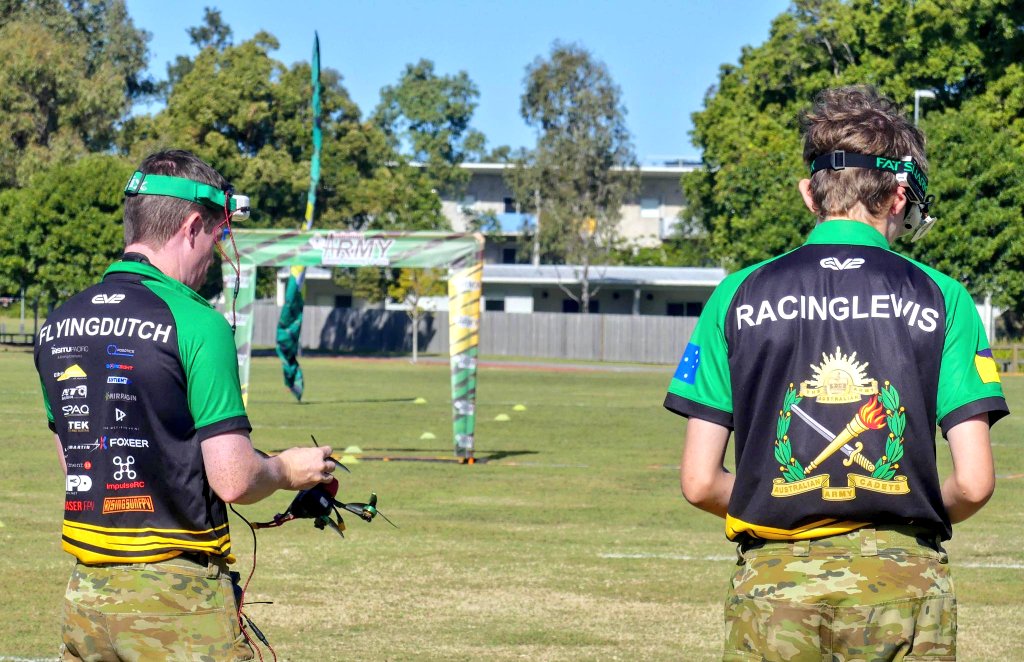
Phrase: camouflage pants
[172,610]
[882,594]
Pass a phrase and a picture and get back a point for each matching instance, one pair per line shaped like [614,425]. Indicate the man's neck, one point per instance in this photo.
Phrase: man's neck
[884,227]
[159,259]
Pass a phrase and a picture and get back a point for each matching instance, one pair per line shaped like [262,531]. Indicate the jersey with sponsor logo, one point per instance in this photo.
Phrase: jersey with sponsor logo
[832,364]
[137,371]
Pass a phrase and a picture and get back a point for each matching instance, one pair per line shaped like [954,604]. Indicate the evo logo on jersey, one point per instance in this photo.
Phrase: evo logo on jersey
[108,298]
[74,372]
[836,264]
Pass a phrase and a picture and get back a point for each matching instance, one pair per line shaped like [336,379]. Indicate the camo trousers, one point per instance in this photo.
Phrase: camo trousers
[872,594]
[173,610]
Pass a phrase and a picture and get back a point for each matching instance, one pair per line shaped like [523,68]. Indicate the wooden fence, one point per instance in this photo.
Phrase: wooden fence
[625,338]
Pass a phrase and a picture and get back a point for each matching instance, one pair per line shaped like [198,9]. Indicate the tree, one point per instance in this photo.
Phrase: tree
[249,115]
[583,167]
[968,52]
[412,287]
[71,71]
[59,233]
[427,117]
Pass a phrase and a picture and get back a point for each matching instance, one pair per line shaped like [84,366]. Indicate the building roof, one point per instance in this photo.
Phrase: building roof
[670,171]
[606,275]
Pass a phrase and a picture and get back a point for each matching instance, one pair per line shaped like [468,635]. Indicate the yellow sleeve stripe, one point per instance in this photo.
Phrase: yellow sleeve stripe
[820,529]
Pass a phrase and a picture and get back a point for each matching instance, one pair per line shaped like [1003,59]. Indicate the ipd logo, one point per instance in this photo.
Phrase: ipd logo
[78,483]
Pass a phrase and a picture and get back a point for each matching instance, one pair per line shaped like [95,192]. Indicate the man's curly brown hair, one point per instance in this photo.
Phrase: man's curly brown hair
[857,119]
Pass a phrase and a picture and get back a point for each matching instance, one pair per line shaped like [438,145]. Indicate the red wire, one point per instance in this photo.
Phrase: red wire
[241,598]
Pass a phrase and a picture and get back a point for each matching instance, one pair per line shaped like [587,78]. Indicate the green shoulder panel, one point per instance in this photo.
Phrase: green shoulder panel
[46,402]
[967,372]
[207,350]
[703,375]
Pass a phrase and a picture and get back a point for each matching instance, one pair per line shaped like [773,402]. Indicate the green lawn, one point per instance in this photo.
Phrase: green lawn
[575,545]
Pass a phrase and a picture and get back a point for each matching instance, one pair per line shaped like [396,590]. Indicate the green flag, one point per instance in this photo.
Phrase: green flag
[289,327]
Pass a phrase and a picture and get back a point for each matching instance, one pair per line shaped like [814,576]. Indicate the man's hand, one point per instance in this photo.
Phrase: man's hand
[238,474]
[305,467]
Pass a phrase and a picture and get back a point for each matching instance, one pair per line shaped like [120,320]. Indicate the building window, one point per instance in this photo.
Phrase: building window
[650,208]
[688,309]
[570,306]
[468,200]
[510,206]
[497,305]
[342,300]
[508,255]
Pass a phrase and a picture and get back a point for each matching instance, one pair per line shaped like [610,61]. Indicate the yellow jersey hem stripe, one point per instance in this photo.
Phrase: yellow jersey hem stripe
[820,529]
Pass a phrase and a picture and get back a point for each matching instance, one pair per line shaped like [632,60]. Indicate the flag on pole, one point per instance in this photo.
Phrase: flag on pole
[289,327]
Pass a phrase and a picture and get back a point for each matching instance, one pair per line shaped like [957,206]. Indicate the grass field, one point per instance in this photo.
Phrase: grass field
[574,545]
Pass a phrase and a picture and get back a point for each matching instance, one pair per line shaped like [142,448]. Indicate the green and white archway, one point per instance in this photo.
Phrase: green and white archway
[462,254]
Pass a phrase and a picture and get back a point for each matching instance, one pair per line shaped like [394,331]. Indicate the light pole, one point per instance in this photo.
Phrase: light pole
[918,95]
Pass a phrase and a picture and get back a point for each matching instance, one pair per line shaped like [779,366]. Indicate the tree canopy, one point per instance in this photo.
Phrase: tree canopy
[967,52]
[583,168]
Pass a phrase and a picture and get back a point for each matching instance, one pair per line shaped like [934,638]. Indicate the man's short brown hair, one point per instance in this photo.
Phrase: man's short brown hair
[153,219]
[857,119]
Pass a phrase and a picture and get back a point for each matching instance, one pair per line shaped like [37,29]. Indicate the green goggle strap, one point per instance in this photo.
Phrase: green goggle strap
[179,187]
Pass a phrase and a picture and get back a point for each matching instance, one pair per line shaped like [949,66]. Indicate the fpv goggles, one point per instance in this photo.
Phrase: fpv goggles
[908,175]
[236,207]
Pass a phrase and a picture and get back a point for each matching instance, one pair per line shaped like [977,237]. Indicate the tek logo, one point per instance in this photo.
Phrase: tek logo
[78,426]
[108,298]
[836,264]
[119,415]
[76,483]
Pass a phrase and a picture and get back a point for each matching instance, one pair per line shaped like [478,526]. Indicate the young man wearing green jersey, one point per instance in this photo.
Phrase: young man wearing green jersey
[831,366]
[140,383]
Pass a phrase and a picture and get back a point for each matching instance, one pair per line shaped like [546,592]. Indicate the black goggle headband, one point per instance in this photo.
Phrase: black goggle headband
[908,172]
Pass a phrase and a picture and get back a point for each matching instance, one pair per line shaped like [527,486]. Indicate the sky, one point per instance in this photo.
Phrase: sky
[663,54]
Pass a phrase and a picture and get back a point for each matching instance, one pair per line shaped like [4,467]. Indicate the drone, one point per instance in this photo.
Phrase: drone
[320,501]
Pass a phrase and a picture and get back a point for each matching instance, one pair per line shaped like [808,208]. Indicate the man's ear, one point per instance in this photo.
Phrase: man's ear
[193,227]
[898,204]
[805,193]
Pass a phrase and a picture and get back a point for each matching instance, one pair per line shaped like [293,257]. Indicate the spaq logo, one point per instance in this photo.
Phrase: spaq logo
[114,350]
[76,483]
[75,410]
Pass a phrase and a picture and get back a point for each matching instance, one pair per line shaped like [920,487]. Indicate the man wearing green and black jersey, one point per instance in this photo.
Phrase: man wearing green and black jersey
[831,366]
[141,388]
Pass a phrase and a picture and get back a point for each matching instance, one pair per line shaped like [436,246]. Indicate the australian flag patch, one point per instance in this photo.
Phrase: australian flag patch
[687,370]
